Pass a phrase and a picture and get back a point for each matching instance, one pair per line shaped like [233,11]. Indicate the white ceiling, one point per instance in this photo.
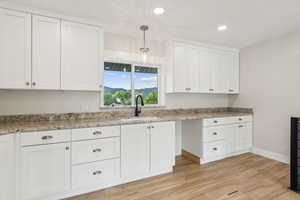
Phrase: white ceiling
[248,21]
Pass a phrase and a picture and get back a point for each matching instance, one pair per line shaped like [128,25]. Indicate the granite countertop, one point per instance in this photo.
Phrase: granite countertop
[30,123]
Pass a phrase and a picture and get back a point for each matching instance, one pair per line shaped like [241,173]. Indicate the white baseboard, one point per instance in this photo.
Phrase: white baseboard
[271,155]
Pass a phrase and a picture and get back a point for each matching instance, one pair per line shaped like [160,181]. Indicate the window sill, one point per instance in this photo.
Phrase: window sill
[124,108]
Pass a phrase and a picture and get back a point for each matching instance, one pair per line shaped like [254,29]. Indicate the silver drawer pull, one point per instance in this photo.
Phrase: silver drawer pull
[215,149]
[215,133]
[97,172]
[97,133]
[211,89]
[97,150]
[47,137]
[241,126]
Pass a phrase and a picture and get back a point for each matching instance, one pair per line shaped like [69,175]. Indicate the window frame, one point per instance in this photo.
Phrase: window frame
[133,65]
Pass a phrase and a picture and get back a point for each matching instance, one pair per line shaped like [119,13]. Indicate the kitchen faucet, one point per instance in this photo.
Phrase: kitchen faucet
[138,109]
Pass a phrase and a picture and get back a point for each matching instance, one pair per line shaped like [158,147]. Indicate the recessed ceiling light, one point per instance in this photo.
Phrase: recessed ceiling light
[159,11]
[222,28]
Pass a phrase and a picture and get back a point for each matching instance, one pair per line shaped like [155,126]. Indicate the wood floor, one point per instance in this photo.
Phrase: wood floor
[244,177]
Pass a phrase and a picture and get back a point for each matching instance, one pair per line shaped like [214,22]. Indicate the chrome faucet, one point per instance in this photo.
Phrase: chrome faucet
[138,109]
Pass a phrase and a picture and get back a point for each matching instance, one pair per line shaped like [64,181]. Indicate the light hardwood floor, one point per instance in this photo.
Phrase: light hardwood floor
[244,177]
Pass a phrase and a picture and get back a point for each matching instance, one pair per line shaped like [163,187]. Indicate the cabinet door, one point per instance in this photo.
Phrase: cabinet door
[232,64]
[219,73]
[230,139]
[135,150]
[192,59]
[82,57]
[15,50]
[45,53]
[243,136]
[205,71]
[162,139]
[180,69]
[45,170]
[7,167]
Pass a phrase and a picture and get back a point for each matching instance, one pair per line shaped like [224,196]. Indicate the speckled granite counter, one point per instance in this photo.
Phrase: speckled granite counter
[29,123]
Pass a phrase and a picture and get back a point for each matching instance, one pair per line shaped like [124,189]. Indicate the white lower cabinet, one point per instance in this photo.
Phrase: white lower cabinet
[95,150]
[95,173]
[147,148]
[62,163]
[162,140]
[135,150]
[45,170]
[7,167]
[236,137]
[243,136]
[217,138]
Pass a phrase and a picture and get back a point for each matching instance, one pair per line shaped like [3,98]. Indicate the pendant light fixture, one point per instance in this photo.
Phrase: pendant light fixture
[144,50]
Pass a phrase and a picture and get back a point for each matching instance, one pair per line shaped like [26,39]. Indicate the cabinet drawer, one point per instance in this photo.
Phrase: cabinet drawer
[45,137]
[95,150]
[242,119]
[213,149]
[95,133]
[216,121]
[95,173]
[211,134]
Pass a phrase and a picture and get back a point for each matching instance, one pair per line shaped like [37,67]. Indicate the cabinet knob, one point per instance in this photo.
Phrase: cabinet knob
[241,126]
[97,150]
[97,172]
[100,86]
[211,90]
[215,148]
[97,133]
[47,137]
[231,90]
[33,84]
[215,121]
[215,133]
[240,119]
[67,148]
[27,83]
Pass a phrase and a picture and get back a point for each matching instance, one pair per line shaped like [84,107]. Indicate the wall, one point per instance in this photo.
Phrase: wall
[270,74]
[31,102]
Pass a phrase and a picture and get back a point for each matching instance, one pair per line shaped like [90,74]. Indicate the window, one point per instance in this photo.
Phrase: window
[146,84]
[122,82]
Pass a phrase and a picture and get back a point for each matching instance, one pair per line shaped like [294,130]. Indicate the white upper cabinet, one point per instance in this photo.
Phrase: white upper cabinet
[82,57]
[45,53]
[15,50]
[206,67]
[7,167]
[233,86]
[198,69]
[186,66]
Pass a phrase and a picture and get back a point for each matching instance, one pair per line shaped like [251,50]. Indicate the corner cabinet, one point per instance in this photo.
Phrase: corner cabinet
[7,167]
[147,149]
[200,69]
[82,57]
